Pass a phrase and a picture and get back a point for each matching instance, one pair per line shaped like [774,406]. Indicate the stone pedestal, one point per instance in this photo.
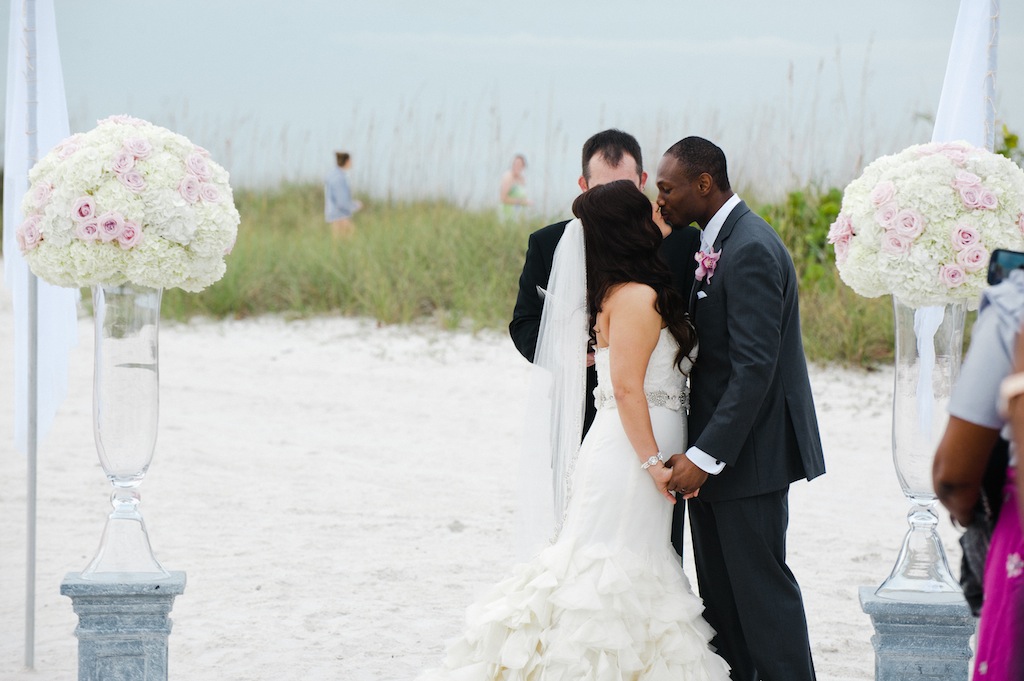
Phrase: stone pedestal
[919,641]
[122,627]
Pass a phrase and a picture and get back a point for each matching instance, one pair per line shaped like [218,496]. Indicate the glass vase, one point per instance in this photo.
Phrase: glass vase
[126,383]
[929,348]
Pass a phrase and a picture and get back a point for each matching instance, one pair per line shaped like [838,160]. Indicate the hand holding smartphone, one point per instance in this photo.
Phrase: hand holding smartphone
[1002,263]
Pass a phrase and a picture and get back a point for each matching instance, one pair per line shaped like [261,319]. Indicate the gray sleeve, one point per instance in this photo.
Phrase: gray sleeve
[988,361]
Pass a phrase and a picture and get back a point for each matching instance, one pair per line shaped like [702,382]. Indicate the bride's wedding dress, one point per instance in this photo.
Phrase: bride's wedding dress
[608,599]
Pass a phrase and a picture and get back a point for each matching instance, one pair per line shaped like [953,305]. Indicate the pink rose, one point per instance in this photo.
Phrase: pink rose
[948,149]
[883,193]
[68,146]
[1020,223]
[200,150]
[908,223]
[138,147]
[988,200]
[41,193]
[971,196]
[895,243]
[957,155]
[133,180]
[88,230]
[964,236]
[111,225]
[706,263]
[209,193]
[189,188]
[841,229]
[122,119]
[28,234]
[952,275]
[965,179]
[973,258]
[842,250]
[122,162]
[886,214]
[83,208]
[198,166]
[130,235]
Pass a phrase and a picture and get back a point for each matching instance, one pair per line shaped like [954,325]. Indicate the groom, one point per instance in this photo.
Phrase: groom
[752,425]
[608,156]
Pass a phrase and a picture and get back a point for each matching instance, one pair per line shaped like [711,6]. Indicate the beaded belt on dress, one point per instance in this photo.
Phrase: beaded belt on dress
[677,401]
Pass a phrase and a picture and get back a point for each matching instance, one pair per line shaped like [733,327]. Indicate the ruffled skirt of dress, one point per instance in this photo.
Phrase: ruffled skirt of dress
[584,613]
[608,601]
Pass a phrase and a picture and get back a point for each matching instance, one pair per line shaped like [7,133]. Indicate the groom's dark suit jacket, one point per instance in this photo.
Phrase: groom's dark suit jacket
[750,401]
[677,251]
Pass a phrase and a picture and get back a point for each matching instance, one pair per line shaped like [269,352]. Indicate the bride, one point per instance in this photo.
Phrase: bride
[607,599]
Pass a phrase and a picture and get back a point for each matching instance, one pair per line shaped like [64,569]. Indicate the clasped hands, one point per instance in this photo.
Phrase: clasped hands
[679,475]
[687,477]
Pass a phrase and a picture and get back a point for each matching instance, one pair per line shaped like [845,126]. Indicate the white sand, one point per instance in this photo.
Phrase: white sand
[337,494]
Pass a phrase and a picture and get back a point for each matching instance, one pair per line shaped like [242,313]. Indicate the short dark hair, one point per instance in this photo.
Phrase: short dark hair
[342,157]
[612,144]
[697,155]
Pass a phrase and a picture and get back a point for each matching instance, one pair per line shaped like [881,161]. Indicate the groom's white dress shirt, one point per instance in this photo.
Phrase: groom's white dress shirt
[709,234]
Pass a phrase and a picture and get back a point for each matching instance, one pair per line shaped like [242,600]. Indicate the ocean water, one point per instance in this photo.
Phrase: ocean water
[433,99]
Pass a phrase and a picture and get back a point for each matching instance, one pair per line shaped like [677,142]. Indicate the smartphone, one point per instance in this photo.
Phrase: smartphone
[1002,263]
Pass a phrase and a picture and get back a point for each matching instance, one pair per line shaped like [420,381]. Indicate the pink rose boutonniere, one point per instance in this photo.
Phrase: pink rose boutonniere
[706,263]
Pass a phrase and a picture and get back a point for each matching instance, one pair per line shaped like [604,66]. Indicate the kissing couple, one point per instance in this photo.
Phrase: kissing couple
[698,395]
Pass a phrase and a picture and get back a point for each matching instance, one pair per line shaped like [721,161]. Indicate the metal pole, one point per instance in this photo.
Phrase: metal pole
[990,78]
[31,97]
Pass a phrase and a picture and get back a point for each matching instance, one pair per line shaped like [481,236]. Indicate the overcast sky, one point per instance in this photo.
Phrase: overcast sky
[273,86]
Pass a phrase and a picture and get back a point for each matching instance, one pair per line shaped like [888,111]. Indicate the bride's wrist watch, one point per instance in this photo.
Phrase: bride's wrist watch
[653,461]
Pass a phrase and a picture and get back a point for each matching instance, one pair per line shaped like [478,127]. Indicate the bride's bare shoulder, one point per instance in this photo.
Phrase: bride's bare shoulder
[631,293]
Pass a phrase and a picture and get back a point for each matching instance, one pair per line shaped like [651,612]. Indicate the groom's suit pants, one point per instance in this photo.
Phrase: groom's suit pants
[753,600]
[678,533]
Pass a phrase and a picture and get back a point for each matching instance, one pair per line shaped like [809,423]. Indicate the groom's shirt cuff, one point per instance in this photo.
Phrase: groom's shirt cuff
[705,461]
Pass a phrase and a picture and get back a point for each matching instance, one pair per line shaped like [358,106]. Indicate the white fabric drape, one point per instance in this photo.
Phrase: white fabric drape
[966,109]
[57,325]
[555,407]
[966,112]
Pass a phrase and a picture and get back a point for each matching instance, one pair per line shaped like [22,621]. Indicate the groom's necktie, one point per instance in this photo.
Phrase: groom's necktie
[696,286]
[693,299]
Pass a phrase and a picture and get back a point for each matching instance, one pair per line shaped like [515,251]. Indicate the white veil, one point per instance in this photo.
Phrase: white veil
[555,406]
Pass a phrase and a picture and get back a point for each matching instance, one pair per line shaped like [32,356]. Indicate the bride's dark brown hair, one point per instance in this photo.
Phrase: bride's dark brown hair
[622,242]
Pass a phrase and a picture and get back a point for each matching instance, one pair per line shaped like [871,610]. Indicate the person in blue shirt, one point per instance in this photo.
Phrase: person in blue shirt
[339,206]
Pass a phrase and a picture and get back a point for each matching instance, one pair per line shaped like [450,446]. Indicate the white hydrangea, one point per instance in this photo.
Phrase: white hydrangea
[128,201]
[921,224]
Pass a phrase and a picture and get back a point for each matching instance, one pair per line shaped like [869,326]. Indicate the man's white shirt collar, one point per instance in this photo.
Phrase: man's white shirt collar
[710,233]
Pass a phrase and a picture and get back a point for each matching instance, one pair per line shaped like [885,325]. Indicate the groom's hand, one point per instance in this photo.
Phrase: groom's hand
[687,477]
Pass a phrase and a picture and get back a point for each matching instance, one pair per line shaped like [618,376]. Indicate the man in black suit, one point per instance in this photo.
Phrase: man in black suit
[752,425]
[607,156]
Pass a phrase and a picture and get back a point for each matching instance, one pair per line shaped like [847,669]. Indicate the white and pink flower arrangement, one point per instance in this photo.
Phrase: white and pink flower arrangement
[921,224]
[128,202]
